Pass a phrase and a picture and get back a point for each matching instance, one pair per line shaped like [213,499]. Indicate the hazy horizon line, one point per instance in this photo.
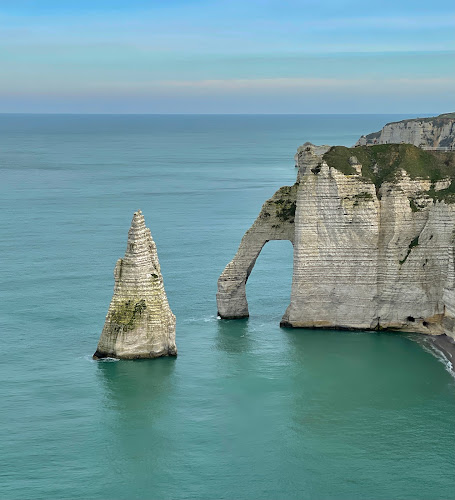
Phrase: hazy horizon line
[214,114]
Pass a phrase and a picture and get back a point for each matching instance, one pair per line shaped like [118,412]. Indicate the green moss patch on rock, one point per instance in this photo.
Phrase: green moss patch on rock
[127,313]
[447,195]
[282,205]
[285,209]
[285,203]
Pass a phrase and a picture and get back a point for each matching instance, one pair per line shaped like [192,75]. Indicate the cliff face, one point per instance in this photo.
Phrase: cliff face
[373,242]
[139,322]
[435,132]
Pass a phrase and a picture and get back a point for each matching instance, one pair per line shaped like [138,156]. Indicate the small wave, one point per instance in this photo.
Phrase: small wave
[206,319]
[439,355]
[89,358]
[444,360]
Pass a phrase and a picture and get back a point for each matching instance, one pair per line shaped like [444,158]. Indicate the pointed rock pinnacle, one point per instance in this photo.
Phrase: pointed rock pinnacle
[139,322]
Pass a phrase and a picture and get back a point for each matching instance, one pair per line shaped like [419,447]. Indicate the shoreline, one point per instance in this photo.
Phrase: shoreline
[446,346]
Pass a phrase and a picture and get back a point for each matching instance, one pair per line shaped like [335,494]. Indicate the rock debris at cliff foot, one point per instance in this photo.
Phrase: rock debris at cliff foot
[139,322]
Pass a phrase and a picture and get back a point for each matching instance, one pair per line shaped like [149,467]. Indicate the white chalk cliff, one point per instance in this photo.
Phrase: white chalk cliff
[434,132]
[373,233]
[139,322]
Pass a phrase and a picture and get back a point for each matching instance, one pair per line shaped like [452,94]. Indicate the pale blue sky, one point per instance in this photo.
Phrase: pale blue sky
[249,56]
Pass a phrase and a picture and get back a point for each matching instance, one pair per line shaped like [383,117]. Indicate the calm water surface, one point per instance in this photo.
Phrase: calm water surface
[247,410]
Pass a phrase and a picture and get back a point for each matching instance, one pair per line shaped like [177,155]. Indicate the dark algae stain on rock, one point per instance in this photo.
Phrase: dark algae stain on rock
[363,196]
[412,245]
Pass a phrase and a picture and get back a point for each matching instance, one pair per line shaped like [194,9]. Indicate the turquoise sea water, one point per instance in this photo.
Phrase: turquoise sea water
[247,410]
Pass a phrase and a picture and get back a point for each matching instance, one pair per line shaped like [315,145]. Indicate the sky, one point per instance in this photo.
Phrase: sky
[229,56]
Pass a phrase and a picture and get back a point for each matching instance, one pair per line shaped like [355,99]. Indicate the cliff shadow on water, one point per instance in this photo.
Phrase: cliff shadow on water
[138,384]
[233,336]
[359,356]
[137,408]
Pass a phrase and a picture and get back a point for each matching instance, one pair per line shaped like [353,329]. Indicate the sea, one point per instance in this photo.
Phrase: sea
[248,410]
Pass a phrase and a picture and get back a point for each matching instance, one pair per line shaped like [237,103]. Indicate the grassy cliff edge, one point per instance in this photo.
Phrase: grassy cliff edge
[384,163]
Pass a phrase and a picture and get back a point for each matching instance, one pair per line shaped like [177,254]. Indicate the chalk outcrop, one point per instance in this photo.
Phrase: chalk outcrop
[304,148]
[139,322]
[434,132]
[373,233]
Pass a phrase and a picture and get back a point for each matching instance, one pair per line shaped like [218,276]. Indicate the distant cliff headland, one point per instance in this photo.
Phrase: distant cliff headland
[435,132]
[373,233]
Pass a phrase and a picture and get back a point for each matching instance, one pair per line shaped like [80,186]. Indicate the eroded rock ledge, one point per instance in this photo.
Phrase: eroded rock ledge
[139,322]
[373,234]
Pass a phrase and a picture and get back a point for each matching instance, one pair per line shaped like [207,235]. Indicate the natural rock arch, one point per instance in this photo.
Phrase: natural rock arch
[275,222]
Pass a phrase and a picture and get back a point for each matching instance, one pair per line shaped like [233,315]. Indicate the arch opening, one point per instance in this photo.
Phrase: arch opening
[272,271]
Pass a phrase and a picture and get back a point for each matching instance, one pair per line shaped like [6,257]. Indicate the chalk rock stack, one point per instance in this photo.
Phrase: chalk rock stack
[139,322]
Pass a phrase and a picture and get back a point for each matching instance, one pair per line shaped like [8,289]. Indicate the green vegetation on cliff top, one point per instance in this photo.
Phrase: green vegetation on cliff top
[383,162]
